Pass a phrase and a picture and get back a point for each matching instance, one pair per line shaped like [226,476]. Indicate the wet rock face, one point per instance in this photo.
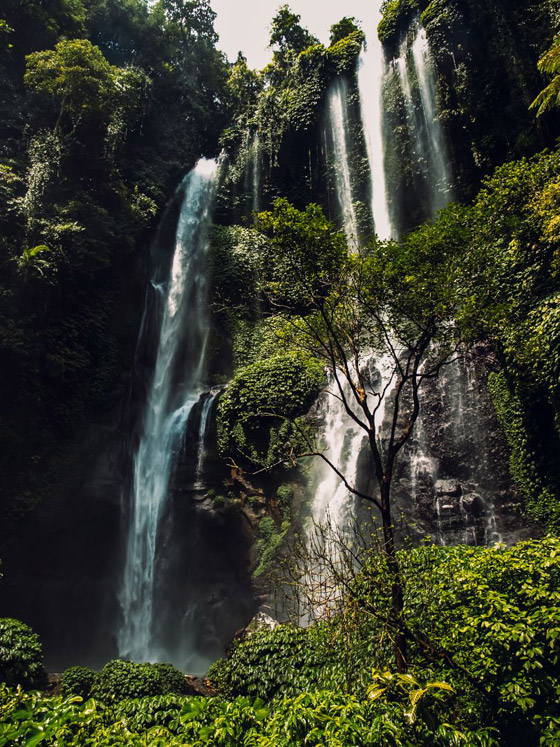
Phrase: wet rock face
[459,457]
[452,481]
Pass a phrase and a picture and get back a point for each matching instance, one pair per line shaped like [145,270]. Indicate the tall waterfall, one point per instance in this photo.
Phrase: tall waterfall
[371,74]
[338,127]
[423,122]
[177,383]
[343,440]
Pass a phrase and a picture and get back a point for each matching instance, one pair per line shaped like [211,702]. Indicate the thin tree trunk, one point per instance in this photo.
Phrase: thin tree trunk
[397,595]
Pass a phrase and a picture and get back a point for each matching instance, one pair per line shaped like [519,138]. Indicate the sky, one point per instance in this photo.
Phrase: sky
[244,25]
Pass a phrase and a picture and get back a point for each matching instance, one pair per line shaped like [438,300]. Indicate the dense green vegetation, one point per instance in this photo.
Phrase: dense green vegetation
[277,112]
[21,655]
[485,621]
[484,627]
[104,105]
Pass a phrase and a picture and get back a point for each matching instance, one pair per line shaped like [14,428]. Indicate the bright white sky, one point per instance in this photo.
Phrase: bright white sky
[244,25]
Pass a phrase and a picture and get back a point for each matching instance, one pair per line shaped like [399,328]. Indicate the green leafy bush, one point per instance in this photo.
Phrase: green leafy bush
[21,655]
[78,682]
[255,412]
[270,540]
[526,465]
[275,663]
[126,679]
[173,680]
[495,612]
[396,17]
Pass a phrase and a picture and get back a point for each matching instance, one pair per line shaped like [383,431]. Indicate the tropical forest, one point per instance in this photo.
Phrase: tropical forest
[280,375]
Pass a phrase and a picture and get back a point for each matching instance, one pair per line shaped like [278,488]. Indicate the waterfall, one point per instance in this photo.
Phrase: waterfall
[203,429]
[453,505]
[332,509]
[177,383]
[342,442]
[371,75]
[338,127]
[331,528]
[256,172]
[425,129]
[414,120]
[252,172]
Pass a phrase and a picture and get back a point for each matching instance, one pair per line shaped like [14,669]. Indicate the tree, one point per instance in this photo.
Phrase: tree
[286,33]
[244,85]
[396,300]
[75,76]
[195,18]
[549,65]
[30,262]
[342,29]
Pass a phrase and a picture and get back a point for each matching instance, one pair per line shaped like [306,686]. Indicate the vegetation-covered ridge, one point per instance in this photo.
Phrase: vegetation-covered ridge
[491,268]
[277,113]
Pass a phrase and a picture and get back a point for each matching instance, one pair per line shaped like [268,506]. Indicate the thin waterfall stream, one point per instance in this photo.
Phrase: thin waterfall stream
[372,69]
[338,127]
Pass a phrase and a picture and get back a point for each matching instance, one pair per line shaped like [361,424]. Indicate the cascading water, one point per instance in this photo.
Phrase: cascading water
[338,127]
[415,123]
[252,176]
[205,418]
[371,74]
[422,118]
[177,384]
[420,490]
[256,175]
[333,505]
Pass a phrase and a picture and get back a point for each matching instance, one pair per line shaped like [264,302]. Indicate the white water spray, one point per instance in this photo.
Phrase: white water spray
[338,126]
[439,175]
[371,75]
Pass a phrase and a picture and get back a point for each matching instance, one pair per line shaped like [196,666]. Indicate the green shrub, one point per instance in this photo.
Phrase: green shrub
[344,53]
[255,412]
[78,682]
[318,719]
[285,497]
[126,679]
[527,468]
[173,680]
[272,663]
[269,541]
[495,611]
[396,17]
[21,655]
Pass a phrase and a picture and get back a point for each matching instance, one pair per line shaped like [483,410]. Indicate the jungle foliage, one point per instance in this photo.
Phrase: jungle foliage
[485,626]
[105,104]
[21,655]
[475,98]
[277,111]
[485,621]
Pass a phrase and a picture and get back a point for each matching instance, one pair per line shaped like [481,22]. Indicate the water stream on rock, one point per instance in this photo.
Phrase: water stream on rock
[372,68]
[338,127]
[178,382]
[333,506]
